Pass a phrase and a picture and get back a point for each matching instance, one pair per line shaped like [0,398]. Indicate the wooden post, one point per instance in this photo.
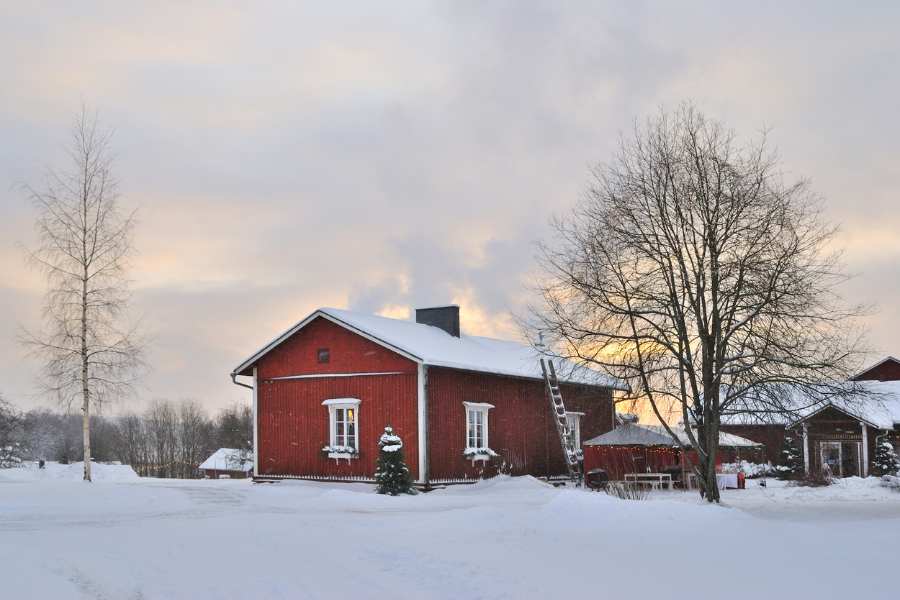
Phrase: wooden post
[806,448]
[865,451]
[255,422]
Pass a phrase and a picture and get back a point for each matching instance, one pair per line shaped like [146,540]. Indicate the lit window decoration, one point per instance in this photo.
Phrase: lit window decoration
[477,431]
[343,419]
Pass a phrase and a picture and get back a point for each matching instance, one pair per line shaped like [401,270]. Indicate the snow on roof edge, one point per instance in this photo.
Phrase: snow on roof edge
[633,434]
[419,340]
[319,312]
[877,405]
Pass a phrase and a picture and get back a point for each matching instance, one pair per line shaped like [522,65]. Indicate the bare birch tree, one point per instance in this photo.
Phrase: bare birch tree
[693,271]
[84,240]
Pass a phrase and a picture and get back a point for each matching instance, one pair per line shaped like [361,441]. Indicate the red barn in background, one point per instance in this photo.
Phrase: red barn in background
[887,369]
[465,406]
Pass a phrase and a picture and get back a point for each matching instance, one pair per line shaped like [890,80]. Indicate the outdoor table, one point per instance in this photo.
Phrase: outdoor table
[727,481]
[654,480]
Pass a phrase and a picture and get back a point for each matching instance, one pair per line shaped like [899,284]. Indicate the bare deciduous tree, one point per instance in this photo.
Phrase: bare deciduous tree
[194,438]
[10,435]
[695,273]
[84,243]
[171,439]
[167,439]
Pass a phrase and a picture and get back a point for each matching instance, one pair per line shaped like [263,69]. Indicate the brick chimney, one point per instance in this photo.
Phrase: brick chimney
[442,317]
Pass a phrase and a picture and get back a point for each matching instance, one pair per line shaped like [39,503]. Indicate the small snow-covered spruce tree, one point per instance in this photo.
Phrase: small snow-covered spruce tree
[791,458]
[886,461]
[391,473]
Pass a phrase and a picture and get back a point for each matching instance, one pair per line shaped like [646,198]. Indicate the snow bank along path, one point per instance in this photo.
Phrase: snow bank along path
[504,538]
[70,472]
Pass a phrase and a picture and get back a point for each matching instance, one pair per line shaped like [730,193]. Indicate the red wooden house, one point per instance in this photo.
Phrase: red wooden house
[838,436]
[465,406]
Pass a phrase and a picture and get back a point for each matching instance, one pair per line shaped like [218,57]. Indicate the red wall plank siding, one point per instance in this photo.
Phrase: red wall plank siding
[293,425]
[349,353]
[772,436]
[520,427]
[619,460]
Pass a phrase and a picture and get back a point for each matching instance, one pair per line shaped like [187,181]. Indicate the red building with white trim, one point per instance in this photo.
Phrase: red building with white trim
[838,436]
[466,406]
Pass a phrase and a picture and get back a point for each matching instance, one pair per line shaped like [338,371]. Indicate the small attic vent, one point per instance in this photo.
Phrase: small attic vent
[442,317]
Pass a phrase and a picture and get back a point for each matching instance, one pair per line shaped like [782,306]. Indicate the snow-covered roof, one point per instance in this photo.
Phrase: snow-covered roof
[229,459]
[877,403]
[632,434]
[880,406]
[730,440]
[433,346]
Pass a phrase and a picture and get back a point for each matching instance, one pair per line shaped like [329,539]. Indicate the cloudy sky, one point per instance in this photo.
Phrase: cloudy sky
[383,156]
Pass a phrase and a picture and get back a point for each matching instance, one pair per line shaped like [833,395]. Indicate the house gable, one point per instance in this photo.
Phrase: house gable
[346,351]
[831,413]
[887,369]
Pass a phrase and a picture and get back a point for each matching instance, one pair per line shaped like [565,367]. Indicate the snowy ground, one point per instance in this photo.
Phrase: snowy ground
[128,538]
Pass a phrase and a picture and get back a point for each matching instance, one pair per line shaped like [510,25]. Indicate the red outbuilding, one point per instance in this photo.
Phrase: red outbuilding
[466,407]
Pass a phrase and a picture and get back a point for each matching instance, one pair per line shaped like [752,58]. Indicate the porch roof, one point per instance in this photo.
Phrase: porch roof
[876,403]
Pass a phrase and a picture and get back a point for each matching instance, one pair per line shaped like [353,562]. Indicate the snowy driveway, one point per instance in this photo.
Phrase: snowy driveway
[163,539]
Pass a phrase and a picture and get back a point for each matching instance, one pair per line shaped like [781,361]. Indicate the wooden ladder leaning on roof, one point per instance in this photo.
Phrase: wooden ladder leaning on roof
[558,409]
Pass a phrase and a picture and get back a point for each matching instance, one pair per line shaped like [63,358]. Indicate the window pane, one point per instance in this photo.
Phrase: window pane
[850,452]
[476,423]
[476,429]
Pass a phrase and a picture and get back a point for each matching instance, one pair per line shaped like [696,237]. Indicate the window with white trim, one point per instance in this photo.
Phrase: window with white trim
[573,421]
[477,425]
[343,425]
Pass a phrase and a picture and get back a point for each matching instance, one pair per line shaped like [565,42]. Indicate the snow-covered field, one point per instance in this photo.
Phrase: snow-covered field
[128,538]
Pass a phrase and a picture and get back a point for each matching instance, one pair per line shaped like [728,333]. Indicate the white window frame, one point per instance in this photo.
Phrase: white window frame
[576,432]
[333,405]
[482,409]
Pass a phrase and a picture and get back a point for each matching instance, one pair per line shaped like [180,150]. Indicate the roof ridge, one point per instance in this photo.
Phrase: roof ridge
[412,321]
[423,344]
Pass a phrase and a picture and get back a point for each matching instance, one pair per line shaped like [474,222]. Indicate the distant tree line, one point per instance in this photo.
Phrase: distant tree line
[168,439]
